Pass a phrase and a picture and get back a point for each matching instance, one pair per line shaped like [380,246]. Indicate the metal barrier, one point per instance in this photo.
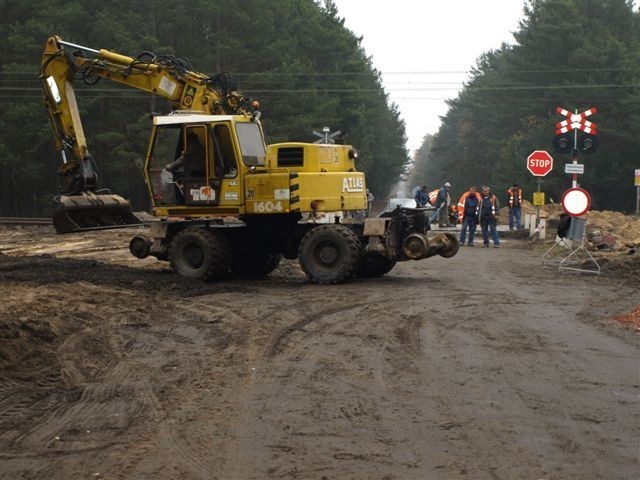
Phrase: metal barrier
[575,233]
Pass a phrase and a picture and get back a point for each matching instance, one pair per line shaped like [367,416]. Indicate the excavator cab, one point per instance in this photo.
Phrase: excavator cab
[187,164]
[196,163]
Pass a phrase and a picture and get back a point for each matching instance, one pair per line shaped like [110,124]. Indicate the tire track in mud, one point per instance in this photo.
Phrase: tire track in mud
[131,383]
[276,341]
[220,327]
[403,376]
[296,355]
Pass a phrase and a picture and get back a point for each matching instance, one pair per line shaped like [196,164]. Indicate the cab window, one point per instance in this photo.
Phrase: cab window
[251,144]
[224,152]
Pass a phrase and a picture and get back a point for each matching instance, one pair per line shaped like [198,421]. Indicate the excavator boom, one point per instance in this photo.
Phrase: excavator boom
[82,205]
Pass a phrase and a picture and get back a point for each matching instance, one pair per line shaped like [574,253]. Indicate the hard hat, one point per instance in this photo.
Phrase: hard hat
[447,184]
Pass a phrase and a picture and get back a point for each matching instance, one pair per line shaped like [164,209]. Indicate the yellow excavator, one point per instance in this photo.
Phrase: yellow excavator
[226,202]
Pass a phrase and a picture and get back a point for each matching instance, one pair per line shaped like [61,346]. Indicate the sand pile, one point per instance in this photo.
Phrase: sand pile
[625,229]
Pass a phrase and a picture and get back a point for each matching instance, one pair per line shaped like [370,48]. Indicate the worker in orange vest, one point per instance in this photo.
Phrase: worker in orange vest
[515,206]
[433,195]
[487,215]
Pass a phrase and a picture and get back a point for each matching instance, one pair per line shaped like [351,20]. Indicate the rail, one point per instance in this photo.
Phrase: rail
[49,221]
[24,221]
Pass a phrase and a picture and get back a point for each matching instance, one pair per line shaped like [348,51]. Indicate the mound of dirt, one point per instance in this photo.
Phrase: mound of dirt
[625,229]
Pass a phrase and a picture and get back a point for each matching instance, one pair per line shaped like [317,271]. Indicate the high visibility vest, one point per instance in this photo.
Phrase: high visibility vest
[493,200]
[515,197]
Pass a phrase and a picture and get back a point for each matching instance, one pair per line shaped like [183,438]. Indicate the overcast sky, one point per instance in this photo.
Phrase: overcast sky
[425,47]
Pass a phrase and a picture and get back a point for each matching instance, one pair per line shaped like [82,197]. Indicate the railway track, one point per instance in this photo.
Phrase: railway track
[24,221]
[49,221]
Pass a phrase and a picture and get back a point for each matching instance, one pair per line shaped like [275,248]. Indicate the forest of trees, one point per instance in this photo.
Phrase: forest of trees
[571,53]
[295,56]
[309,71]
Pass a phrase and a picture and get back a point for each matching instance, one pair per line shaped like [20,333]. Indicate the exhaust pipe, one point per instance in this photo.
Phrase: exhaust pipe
[418,246]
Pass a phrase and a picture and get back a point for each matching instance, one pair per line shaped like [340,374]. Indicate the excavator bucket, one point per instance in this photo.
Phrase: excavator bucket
[88,211]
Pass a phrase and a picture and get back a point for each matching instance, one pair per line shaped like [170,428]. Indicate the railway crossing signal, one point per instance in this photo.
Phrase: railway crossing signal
[588,142]
[576,121]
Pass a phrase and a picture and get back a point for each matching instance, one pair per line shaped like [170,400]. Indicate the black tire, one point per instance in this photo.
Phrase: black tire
[330,254]
[200,253]
[255,263]
[375,265]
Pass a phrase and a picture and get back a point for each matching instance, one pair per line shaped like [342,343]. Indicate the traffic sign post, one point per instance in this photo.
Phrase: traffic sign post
[637,183]
[575,202]
[539,163]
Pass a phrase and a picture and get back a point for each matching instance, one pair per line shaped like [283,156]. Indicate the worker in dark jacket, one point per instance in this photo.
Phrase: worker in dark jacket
[487,214]
[443,202]
[469,216]
[421,196]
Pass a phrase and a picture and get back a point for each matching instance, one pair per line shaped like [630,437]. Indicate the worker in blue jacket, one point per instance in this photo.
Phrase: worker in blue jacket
[421,196]
[469,216]
[443,202]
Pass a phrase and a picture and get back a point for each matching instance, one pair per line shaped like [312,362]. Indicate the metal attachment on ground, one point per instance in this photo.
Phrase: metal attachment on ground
[575,233]
[418,246]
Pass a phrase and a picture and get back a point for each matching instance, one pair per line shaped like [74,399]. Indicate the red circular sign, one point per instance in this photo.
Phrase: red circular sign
[576,202]
[539,163]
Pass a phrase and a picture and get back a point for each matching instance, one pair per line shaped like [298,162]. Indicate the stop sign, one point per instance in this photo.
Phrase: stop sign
[539,163]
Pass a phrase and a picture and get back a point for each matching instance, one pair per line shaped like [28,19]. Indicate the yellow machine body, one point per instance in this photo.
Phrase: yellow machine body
[243,176]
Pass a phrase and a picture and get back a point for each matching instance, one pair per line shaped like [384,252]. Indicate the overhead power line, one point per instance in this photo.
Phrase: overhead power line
[34,72]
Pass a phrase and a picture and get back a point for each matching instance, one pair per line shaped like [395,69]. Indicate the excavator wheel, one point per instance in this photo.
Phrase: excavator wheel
[200,253]
[375,265]
[330,254]
[255,263]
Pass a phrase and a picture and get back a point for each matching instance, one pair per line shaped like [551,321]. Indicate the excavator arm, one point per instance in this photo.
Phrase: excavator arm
[82,205]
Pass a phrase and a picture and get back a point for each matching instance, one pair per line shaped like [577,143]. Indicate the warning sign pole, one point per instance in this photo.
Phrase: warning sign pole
[637,183]
[538,207]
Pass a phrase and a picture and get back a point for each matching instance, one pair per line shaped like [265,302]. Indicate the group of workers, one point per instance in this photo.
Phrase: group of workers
[474,208]
[440,198]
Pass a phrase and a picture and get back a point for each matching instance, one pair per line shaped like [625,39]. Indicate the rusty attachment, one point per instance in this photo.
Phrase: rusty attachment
[418,246]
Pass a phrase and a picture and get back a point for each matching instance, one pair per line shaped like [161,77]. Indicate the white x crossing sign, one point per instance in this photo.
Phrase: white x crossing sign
[576,121]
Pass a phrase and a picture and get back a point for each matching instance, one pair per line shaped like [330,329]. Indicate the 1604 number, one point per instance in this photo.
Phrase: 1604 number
[266,207]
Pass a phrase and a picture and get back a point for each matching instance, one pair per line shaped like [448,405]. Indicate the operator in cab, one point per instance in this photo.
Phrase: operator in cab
[192,159]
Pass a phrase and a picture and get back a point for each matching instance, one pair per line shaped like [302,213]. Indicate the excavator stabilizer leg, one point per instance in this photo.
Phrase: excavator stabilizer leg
[88,211]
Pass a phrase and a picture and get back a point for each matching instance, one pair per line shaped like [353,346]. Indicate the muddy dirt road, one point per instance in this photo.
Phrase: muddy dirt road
[484,366]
